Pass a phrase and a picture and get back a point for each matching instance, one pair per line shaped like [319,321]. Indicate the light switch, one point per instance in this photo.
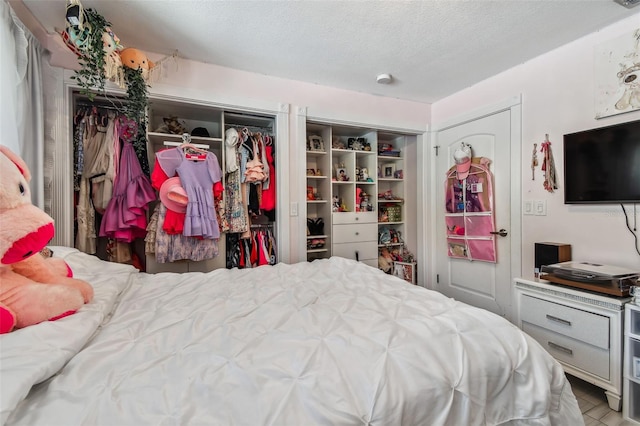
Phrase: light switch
[528,207]
[293,209]
[540,207]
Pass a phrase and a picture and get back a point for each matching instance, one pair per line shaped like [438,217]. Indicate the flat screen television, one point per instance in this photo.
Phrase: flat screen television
[602,166]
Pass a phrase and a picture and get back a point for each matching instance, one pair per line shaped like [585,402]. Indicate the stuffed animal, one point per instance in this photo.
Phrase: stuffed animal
[112,61]
[32,288]
[136,59]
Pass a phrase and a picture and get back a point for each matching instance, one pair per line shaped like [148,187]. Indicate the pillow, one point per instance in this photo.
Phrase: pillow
[33,354]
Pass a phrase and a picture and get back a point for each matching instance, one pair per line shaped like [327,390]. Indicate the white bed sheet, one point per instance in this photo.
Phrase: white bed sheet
[329,342]
[31,355]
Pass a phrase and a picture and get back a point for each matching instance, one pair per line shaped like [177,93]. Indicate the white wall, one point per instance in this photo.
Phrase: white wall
[557,98]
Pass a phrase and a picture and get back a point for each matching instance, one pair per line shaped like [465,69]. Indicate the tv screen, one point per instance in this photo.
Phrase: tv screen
[603,165]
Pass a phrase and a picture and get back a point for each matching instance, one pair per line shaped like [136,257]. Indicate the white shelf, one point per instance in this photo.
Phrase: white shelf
[322,250]
[631,389]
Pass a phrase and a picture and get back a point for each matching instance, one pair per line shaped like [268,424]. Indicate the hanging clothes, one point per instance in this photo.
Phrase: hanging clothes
[125,216]
[234,208]
[78,148]
[470,216]
[172,248]
[102,169]
[257,250]
[268,202]
[86,220]
[254,168]
[197,178]
[85,213]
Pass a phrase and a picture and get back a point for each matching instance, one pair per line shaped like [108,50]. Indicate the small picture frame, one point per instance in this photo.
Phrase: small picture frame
[341,174]
[636,367]
[405,270]
[389,170]
[315,143]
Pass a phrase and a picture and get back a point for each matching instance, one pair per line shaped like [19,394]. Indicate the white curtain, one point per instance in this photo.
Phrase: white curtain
[23,112]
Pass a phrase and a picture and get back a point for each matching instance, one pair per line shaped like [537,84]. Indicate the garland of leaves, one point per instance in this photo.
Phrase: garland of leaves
[135,109]
[91,78]
[91,75]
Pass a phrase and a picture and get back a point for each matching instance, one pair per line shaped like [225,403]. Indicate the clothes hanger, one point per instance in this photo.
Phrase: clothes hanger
[192,151]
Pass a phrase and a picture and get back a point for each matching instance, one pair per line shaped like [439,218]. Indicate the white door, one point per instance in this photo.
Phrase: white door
[483,284]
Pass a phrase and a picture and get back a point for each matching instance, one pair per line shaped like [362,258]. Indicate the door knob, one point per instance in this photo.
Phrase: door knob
[502,232]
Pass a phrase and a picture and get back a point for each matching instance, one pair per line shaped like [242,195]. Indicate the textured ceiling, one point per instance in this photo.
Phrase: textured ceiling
[432,48]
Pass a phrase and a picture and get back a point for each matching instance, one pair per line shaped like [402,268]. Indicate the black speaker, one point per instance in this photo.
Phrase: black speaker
[550,253]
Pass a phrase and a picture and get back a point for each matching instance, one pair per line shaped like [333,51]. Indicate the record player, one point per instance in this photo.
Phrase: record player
[606,279]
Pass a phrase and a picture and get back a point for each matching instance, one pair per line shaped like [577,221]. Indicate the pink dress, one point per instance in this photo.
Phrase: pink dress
[125,217]
[197,178]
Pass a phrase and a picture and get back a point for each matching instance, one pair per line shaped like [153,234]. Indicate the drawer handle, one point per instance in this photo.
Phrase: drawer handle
[560,348]
[357,218]
[357,233]
[560,320]
[357,256]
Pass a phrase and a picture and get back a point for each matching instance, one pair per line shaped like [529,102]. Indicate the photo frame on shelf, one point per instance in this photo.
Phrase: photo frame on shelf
[341,174]
[405,271]
[389,170]
[315,143]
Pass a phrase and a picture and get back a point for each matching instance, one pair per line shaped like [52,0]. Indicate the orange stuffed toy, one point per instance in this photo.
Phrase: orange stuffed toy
[136,59]
[32,288]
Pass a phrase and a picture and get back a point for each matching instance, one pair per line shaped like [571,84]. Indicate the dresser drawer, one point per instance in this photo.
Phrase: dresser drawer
[577,324]
[355,233]
[590,358]
[353,217]
[366,251]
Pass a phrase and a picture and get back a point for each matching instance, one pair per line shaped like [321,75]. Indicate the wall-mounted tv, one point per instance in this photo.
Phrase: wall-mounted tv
[602,166]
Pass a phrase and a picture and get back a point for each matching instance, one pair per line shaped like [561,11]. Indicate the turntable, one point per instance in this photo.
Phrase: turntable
[606,279]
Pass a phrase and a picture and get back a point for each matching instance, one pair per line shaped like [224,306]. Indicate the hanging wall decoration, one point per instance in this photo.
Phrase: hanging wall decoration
[617,75]
[548,166]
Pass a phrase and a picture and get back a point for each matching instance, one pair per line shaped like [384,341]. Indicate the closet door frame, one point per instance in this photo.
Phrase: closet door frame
[62,173]
[416,207]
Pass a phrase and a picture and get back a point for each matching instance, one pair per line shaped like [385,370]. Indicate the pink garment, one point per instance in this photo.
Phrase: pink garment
[269,194]
[125,218]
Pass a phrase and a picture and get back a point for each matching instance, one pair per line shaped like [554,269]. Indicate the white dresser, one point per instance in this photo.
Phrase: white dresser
[582,330]
[355,236]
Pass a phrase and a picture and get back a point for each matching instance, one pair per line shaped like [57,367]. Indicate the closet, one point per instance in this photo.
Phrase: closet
[359,204]
[237,148]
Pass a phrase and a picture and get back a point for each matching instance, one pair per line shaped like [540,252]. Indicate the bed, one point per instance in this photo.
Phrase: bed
[331,342]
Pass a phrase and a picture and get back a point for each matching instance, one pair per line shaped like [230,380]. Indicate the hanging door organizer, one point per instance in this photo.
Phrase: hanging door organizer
[469,215]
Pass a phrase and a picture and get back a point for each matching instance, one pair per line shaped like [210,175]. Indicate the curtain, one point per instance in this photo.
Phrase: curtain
[23,106]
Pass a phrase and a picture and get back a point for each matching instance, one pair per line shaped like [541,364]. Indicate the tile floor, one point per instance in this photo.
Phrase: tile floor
[594,406]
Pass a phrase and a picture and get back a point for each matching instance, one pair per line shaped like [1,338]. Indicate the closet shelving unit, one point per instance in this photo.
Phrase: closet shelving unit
[318,178]
[391,184]
[353,229]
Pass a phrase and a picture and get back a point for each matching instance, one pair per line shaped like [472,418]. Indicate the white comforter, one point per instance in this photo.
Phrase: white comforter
[332,342]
